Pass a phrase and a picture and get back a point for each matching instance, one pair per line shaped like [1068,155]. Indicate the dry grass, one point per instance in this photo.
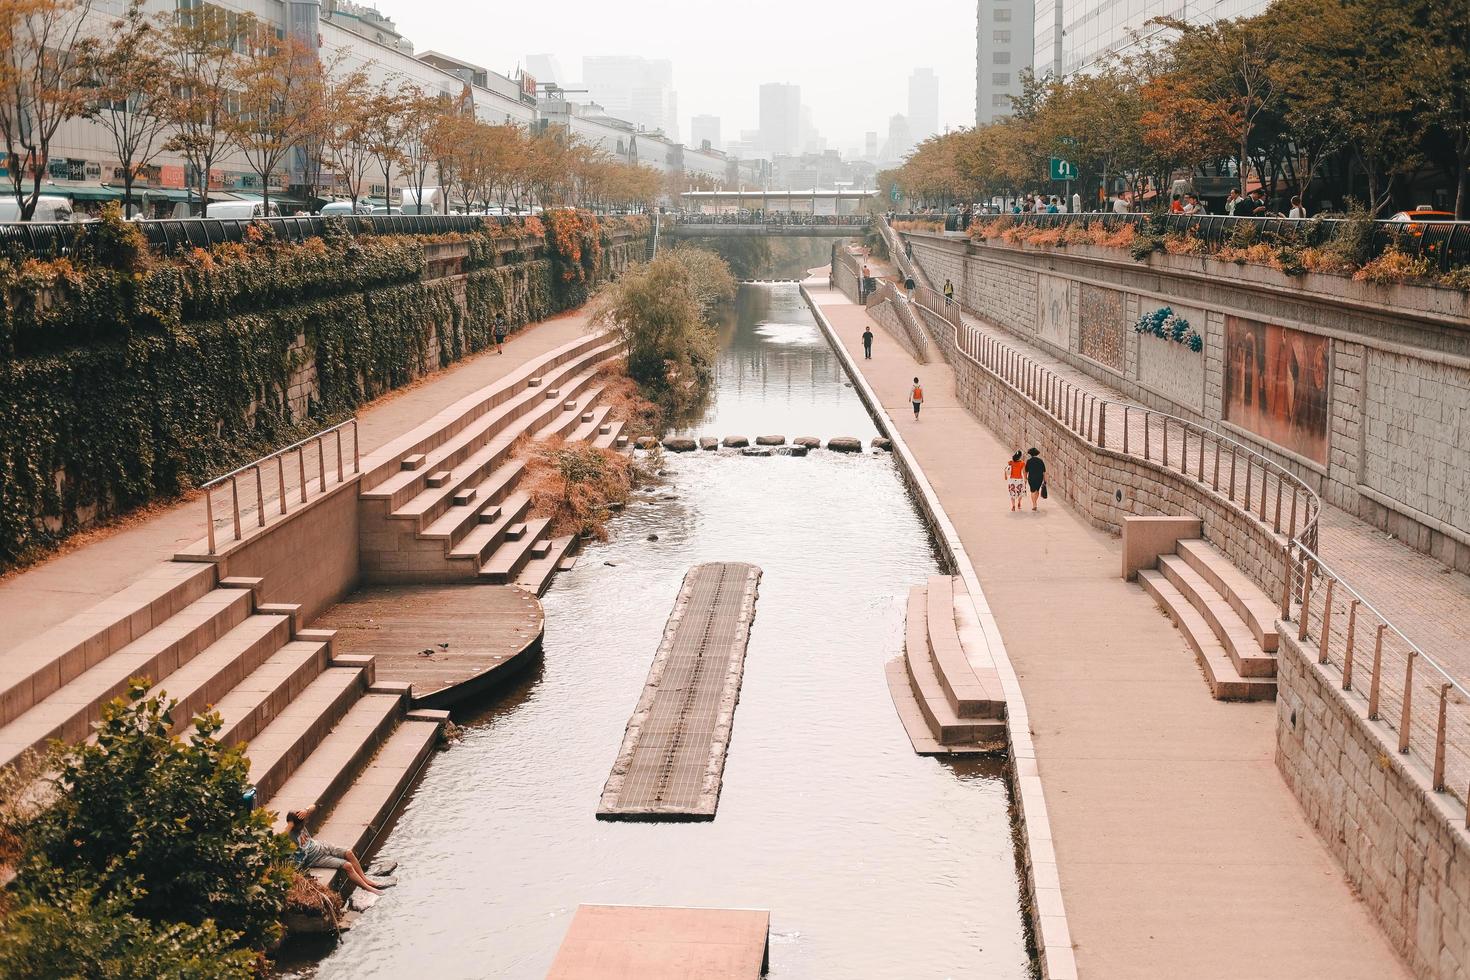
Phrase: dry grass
[640,416]
[307,897]
[577,486]
[1394,266]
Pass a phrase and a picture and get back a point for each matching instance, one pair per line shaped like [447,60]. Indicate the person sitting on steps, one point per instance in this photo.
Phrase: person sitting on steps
[312,853]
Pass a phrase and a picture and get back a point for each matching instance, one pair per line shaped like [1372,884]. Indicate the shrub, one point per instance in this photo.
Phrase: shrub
[163,825]
[76,932]
[1394,266]
[1457,278]
[576,485]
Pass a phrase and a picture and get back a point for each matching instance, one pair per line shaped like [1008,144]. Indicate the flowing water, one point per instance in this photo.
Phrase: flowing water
[874,862]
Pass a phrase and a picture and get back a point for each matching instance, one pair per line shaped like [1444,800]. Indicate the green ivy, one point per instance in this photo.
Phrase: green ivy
[117,389]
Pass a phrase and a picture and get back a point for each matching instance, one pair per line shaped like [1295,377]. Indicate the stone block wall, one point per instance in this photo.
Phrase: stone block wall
[1398,363]
[1403,847]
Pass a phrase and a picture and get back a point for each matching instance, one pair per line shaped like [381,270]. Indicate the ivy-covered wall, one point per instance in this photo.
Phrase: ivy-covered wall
[126,378]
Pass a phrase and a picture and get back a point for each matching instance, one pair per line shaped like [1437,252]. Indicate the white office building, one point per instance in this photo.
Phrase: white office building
[640,90]
[1073,35]
[923,104]
[1003,50]
[780,118]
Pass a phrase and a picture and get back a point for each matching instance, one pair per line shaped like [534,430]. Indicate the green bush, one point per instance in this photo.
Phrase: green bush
[161,823]
[76,933]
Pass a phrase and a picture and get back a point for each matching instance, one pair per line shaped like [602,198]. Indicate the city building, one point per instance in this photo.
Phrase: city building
[923,104]
[870,146]
[900,140]
[1074,35]
[1003,51]
[704,130]
[640,90]
[546,69]
[780,118]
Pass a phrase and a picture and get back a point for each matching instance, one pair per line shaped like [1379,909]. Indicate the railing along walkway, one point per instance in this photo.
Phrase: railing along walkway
[1389,602]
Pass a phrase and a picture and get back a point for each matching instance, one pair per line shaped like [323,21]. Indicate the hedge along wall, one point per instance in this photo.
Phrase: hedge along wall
[125,379]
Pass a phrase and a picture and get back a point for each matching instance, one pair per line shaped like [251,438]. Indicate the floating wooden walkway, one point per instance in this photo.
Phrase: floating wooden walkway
[630,942]
[673,754]
[451,642]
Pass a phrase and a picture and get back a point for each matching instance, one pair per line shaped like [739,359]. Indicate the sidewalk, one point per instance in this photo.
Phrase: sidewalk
[37,598]
[1182,853]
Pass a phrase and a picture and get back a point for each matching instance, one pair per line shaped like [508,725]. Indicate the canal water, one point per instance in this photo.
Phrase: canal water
[873,861]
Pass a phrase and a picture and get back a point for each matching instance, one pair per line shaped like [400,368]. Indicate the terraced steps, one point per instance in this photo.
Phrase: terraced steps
[511,556]
[536,576]
[1226,682]
[945,686]
[282,745]
[263,694]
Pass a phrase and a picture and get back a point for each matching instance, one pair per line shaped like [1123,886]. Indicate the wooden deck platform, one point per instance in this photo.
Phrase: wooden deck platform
[632,942]
[672,758]
[451,642]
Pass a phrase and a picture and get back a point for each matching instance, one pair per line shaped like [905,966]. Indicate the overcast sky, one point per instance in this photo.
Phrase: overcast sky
[852,60]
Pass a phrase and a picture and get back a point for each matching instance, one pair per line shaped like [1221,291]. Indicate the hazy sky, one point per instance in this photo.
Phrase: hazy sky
[852,60]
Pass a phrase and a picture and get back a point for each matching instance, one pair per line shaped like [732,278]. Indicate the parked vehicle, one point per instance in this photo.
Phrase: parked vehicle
[432,202]
[343,208]
[1412,221]
[226,210]
[48,208]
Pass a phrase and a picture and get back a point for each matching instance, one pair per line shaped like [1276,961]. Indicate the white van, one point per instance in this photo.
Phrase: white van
[429,205]
[342,209]
[239,209]
[48,208]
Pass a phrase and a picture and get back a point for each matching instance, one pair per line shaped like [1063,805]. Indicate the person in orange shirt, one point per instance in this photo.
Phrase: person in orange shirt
[916,395]
[1016,480]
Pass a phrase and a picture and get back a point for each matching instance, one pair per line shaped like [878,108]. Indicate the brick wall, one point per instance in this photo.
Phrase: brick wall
[1398,426]
[1404,848]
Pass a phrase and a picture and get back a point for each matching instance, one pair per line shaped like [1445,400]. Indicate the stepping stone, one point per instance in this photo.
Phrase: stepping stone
[755,451]
[845,444]
[679,445]
[382,866]
[736,442]
[708,442]
[791,451]
[879,442]
[770,440]
[810,442]
[646,442]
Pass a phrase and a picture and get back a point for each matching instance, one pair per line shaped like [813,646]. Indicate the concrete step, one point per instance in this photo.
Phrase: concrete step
[1232,632]
[360,816]
[1226,683]
[523,410]
[506,561]
[279,748]
[428,503]
[945,724]
[477,545]
[592,424]
[413,461]
[563,425]
[438,479]
[212,674]
[325,774]
[35,669]
[613,438]
[68,711]
[459,519]
[265,692]
[463,498]
[1252,605]
[968,694]
[537,575]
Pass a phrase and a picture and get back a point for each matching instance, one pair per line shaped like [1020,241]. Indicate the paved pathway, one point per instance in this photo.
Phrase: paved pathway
[1182,853]
[37,598]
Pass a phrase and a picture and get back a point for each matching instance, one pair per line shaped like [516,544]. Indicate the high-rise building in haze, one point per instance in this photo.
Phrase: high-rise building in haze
[545,68]
[870,145]
[923,104]
[704,129]
[780,124]
[639,90]
[900,139]
[1003,50]
[1074,35]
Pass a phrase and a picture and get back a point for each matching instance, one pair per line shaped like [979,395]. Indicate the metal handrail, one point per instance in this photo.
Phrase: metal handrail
[279,456]
[1085,414]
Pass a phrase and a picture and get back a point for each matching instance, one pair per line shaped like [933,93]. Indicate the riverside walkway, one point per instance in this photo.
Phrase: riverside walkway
[1181,851]
[99,563]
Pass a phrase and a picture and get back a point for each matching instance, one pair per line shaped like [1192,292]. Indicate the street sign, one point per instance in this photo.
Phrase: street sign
[1063,169]
[1066,141]
[893,194]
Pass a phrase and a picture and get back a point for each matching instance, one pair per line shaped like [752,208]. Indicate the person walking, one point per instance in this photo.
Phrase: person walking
[867,343]
[908,285]
[948,293]
[500,333]
[1035,470]
[1016,480]
[916,396]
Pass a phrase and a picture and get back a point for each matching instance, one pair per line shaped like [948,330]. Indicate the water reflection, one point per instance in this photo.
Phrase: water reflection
[874,862]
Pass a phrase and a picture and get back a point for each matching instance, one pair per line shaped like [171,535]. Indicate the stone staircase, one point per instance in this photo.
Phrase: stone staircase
[320,730]
[1226,618]
[945,686]
[441,504]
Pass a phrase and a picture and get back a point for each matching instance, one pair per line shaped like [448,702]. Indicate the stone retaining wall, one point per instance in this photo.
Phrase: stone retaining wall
[1383,372]
[1403,847]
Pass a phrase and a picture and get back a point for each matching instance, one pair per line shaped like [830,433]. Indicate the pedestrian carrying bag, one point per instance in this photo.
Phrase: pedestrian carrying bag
[1043,491]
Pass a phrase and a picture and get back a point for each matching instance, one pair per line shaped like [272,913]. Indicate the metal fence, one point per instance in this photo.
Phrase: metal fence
[53,239]
[1444,243]
[771,218]
[1401,686]
[272,481]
